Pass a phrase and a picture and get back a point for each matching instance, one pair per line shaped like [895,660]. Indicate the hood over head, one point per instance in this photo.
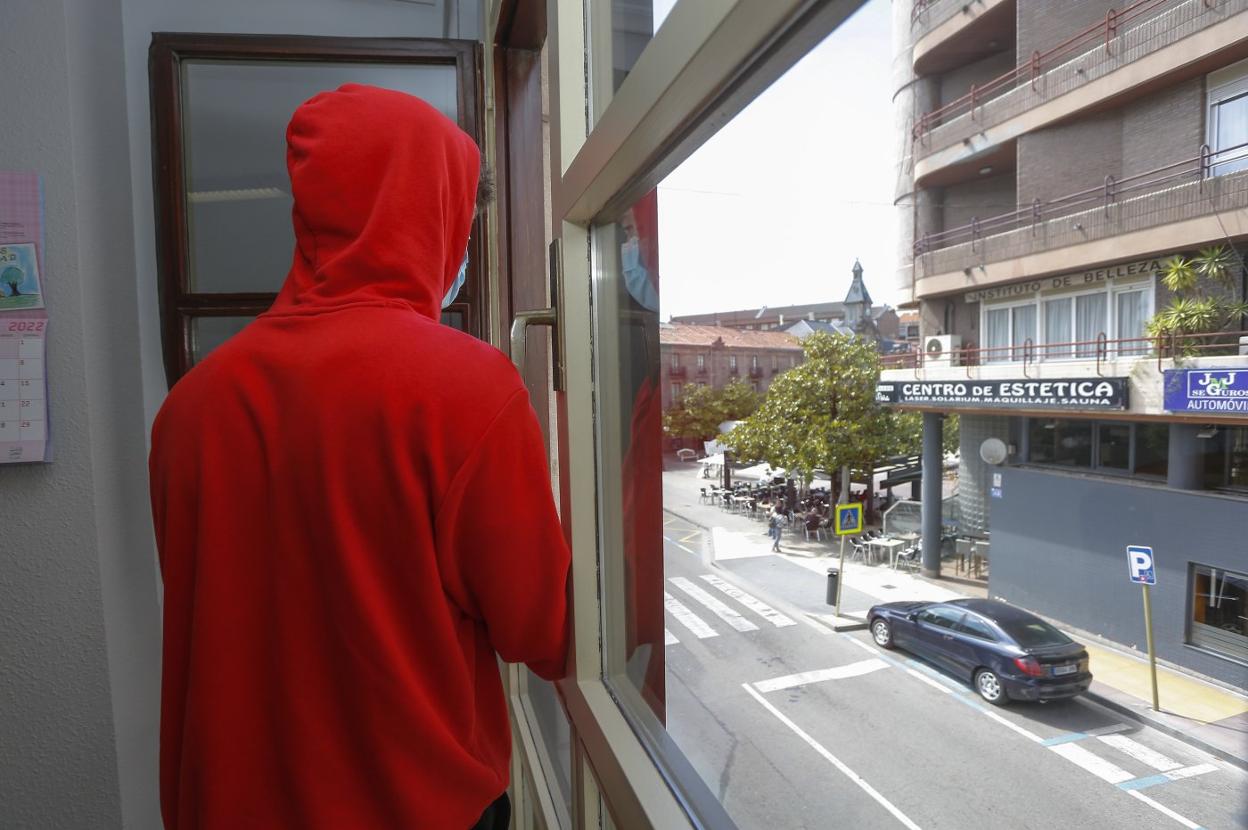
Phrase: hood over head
[384,188]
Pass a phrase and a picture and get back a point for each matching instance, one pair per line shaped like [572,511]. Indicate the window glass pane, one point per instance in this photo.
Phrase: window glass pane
[1023,333]
[1152,449]
[633,25]
[1237,460]
[996,335]
[209,332]
[976,628]
[1213,448]
[1091,321]
[556,739]
[1066,443]
[1131,305]
[455,318]
[1220,611]
[1041,440]
[1230,132]
[1115,446]
[1034,633]
[235,116]
[1057,327]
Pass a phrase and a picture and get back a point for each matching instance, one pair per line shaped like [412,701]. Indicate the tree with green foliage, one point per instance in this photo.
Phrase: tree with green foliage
[1205,298]
[823,414]
[702,409]
[13,277]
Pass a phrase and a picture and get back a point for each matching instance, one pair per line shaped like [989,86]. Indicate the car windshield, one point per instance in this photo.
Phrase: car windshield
[1028,633]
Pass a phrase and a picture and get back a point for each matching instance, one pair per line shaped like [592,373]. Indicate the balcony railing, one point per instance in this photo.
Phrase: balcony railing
[756,371]
[1206,183]
[1125,35]
[677,372]
[928,14]
[1102,350]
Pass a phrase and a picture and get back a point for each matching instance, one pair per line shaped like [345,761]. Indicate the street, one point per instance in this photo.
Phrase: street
[793,725]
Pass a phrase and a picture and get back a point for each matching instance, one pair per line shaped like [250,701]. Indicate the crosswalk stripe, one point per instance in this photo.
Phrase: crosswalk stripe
[1092,763]
[756,605]
[1164,810]
[1191,772]
[669,639]
[687,618]
[1139,752]
[718,608]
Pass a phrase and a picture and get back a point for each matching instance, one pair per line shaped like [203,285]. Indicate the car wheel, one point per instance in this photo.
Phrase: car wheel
[990,687]
[882,633]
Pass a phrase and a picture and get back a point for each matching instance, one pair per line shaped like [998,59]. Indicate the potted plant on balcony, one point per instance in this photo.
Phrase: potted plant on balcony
[1206,302]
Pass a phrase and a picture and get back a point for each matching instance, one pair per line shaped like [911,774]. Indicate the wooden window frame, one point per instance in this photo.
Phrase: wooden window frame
[179,306]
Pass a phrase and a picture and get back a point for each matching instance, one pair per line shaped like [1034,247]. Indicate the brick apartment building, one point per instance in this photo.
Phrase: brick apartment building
[1055,155]
[694,355]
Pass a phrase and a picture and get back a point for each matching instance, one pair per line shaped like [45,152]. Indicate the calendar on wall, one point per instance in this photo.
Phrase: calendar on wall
[24,432]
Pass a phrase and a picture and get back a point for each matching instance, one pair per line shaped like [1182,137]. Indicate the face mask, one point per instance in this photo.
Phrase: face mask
[453,291]
[637,276]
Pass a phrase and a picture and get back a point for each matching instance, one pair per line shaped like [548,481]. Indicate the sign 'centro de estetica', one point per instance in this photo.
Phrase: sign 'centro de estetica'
[1063,393]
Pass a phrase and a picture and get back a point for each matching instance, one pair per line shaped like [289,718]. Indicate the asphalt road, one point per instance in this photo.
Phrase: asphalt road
[793,725]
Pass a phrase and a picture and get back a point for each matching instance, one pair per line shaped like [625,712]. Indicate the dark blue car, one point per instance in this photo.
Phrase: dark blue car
[1005,653]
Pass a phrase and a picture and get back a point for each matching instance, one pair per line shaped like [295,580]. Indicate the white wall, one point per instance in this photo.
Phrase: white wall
[79,584]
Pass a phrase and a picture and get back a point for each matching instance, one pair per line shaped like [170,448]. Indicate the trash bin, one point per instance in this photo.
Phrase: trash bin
[834,577]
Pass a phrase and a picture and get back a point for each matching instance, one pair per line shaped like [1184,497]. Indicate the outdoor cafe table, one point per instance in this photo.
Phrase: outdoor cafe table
[888,546]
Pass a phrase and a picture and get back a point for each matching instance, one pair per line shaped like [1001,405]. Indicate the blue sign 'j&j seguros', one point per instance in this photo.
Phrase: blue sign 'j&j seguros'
[1140,565]
[1212,391]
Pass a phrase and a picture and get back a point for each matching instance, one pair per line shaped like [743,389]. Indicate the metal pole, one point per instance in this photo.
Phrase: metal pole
[933,473]
[840,577]
[1148,628]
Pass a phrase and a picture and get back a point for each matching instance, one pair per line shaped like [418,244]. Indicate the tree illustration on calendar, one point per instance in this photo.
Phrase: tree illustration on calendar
[19,278]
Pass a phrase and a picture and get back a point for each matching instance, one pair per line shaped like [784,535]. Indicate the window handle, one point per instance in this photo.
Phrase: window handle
[544,317]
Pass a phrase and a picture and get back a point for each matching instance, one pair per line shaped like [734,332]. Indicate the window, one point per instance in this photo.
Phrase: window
[677,391]
[754,362]
[941,617]
[1131,311]
[1034,632]
[221,104]
[976,627]
[1227,122]
[1117,447]
[675,360]
[732,363]
[1226,457]
[775,363]
[1008,331]
[754,385]
[701,362]
[1219,611]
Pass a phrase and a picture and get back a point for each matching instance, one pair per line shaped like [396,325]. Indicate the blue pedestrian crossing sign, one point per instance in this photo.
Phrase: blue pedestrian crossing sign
[1140,565]
[848,519]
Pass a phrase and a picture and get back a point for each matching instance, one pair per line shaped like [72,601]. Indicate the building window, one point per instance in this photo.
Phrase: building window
[701,362]
[677,391]
[775,363]
[754,361]
[1118,447]
[1227,120]
[1226,457]
[754,385]
[1219,612]
[675,360]
[732,363]
[1069,325]
[223,228]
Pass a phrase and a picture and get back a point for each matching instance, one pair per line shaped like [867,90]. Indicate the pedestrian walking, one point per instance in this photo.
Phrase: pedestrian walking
[774,522]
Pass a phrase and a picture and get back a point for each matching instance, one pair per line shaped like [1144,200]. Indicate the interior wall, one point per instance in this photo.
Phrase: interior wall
[58,760]
[341,18]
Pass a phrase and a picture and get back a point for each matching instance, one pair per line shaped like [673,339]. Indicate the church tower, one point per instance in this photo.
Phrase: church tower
[858,302]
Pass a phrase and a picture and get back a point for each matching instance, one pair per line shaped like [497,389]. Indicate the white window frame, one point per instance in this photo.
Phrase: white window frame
[1008,346]
[1109,288]
[1224,85]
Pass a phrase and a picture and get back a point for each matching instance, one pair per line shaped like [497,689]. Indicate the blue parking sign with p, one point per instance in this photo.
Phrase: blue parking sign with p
[848,519]
[1140,565]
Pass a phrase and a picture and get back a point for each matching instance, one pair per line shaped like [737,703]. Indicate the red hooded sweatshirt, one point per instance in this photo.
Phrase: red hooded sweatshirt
[353,511]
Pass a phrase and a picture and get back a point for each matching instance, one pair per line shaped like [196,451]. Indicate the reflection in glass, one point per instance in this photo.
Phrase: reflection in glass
[1152,449]
[556,738]
[207,333]
[1115,446]
[1220,611]
[239,202]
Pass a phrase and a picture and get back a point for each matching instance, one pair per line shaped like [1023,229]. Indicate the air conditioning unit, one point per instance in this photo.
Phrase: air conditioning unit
[942,350]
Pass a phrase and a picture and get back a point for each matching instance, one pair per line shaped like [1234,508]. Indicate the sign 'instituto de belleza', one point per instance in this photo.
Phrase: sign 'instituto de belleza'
[1022,393]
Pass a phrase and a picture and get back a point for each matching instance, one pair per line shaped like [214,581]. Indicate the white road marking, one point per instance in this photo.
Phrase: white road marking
[818,675]
[940,687]
[669,639]
[1164,809]
[718,608]
[1140,752]
[1191,772]
[1107,730]
[1031,736]
[756,605]
[679,545]
[687,618]
[836,762]
[1092,763]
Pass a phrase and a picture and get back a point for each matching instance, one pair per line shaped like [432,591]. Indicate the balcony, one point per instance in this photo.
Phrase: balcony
[677,372]
[950,16]
[950,34]
[1039,91]
[1188,203]
[756,372]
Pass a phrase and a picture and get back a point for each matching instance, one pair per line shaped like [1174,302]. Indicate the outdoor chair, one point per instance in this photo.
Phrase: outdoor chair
[813,526]
[858,550]
[704,496]
[908,558]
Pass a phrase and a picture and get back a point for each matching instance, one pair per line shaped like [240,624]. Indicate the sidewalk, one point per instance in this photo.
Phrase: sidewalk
[1202,713]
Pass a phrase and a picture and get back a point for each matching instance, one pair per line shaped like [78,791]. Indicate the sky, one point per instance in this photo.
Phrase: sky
[773,209]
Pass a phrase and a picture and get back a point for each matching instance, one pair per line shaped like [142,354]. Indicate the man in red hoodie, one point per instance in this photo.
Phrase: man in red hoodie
[353,512]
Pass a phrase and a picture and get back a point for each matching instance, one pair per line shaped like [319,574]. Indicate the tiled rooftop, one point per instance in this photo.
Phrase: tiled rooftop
[681,334]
